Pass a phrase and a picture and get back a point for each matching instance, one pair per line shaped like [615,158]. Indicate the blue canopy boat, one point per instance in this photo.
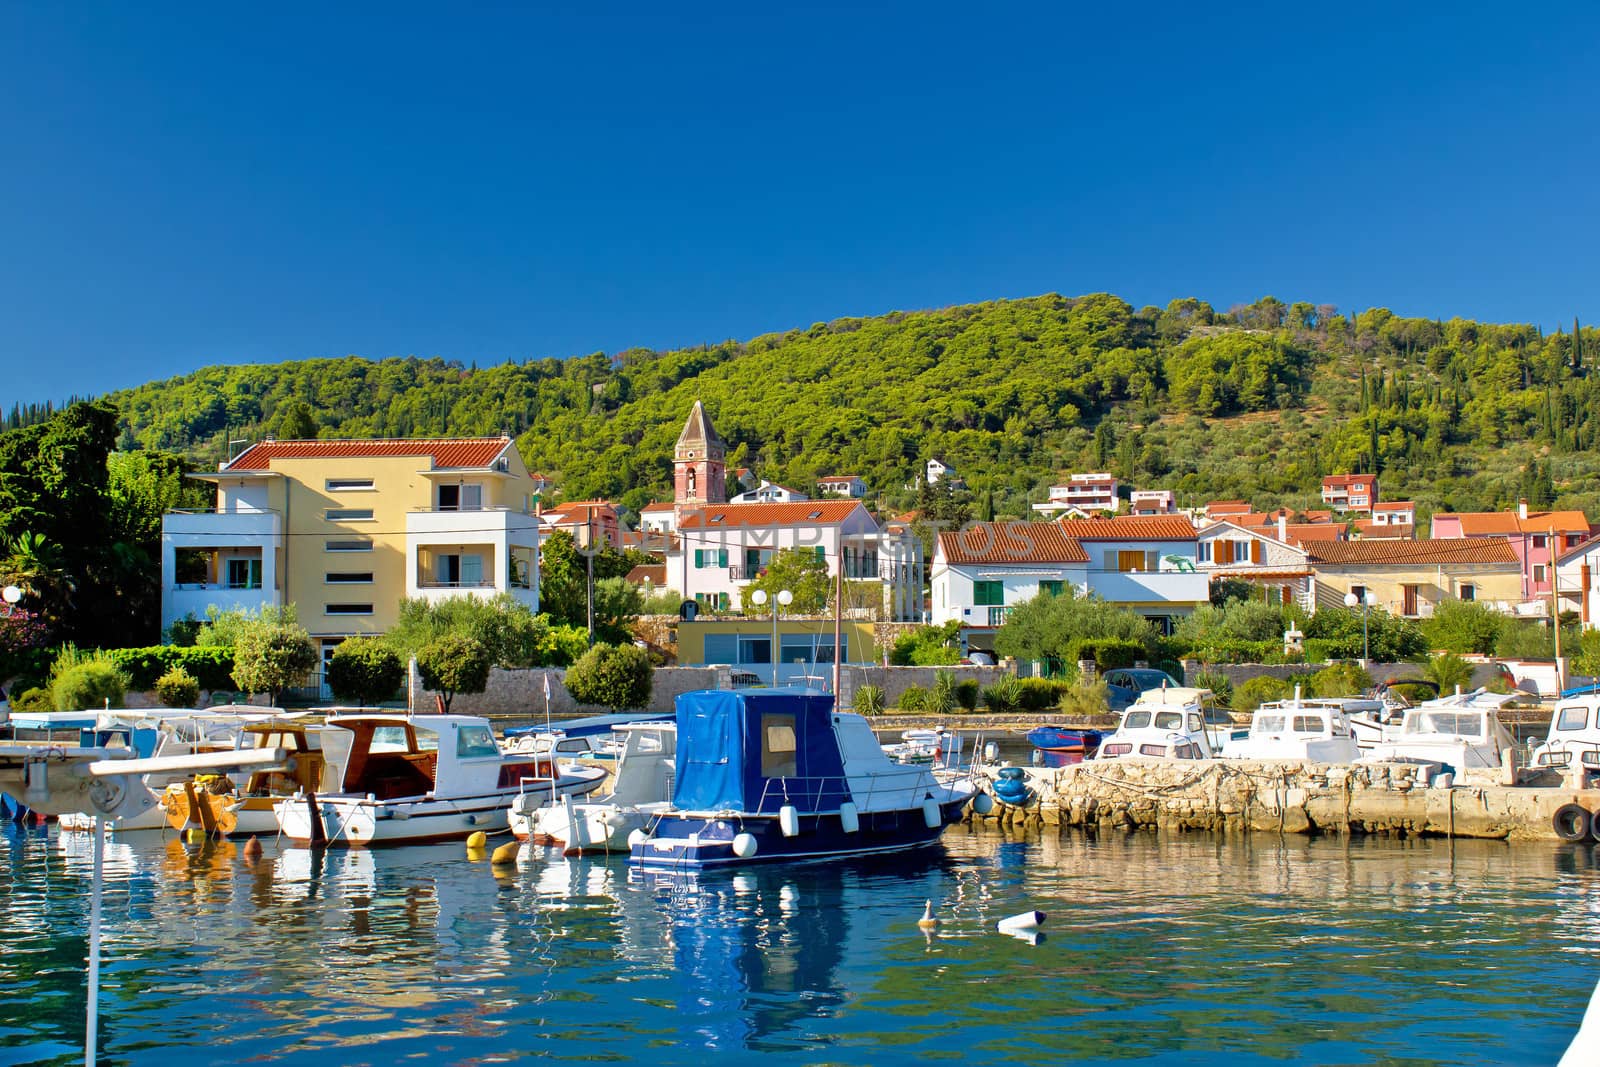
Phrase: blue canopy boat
[777,774]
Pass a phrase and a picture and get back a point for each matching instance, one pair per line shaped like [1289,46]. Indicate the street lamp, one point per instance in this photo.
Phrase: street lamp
[1365,601]
[784,598]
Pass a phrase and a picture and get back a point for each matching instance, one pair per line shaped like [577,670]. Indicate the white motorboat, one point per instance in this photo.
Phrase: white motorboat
[642,787]
[1297,729]
[162,732]
[419,778]
[922,745]
[1574,737]
[1461,733]
[1167,723]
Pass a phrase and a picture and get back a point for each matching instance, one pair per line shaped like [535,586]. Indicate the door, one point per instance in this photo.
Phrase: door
[1408,600]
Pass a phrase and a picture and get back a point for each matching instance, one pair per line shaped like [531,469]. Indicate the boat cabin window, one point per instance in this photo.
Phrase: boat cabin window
[474,741]
[1195,723]
[1308,724]
[1573,718]
[1169,720]
[572,744]
[389,739]
[1457,724]
[1268,724]
[777,746]
[1136,720]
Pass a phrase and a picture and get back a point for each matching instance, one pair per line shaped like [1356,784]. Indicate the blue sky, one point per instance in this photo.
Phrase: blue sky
[197,185]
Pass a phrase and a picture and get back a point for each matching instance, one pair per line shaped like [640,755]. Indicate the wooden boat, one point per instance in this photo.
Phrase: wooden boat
[767,775]
[419,778]
[641,788]
[215,804]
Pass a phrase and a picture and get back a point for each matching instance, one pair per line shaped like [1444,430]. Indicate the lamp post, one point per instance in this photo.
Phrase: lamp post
[784,598]
[1365,601]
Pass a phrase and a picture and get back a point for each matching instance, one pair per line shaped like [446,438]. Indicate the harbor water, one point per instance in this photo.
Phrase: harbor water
[1164,950]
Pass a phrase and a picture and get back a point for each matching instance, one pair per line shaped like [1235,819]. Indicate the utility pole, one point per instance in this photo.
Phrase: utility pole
[589,526]
[1555,611]
[838,617]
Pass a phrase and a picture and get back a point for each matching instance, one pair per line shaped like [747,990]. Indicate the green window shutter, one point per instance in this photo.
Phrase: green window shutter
[722,560]
[722,600]
[822,555]
[988,594]
[699,559]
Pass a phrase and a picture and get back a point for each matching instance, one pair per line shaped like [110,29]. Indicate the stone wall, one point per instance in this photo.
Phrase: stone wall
[1482,673]
[895,680]
[1285,797]
[521,692]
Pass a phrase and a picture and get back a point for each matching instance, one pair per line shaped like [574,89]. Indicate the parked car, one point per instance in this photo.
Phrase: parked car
[1124,684]
[744,679]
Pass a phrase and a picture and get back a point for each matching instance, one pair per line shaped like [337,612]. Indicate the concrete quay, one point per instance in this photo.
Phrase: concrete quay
[1290,796]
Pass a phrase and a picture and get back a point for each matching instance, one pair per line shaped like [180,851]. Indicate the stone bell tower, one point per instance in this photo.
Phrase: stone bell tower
[699,472]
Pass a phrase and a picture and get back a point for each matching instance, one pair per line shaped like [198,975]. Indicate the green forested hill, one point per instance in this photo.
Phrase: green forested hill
[1258,402]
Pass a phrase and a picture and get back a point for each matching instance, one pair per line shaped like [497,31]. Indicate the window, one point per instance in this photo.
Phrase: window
[1359,592]
[1572,718]
[389,739]
[988,594]
[1540,572]
[1539,540]
[1053,588]
[348,578]
[708,558]
[1136,720]
[347,609]
[803,648]
[754,650]
[777,746]
[361,545]
[1136,560]
[244,574]
[1204,553]
[460,497]
[475,742]
[348,514]
[347,485]
[464,569]
[1468,591]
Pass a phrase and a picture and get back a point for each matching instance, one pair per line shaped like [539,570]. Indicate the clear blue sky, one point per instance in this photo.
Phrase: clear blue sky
[216,184]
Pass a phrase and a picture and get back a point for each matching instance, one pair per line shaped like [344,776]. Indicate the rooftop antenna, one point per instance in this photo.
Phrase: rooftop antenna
[232,455]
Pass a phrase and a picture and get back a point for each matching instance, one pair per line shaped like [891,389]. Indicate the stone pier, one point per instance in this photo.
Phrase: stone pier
[1293,797]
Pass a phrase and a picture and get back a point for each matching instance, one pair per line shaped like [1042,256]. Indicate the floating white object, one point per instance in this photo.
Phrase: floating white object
[928,921]
[1032,937]
[1585,1047]
[637,838]
[789,820]
[931,814]
[991,752]
[1028,920]
[744,845]
[982,803]
[849,820]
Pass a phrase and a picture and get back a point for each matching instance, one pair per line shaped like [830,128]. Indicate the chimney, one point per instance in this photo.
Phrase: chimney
[1522,509]
[1283,527]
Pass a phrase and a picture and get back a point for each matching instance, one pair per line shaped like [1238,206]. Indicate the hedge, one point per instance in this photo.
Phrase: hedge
[1042,694]
[211,666]
[1108,653]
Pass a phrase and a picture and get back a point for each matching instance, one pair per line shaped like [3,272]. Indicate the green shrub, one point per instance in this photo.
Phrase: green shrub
[271,657]
[1411,693]
[1251,693]
[1108,653]
[178,689]
[942,698]
[1464,626]
[455,663]
[1003,695]
[967,694]
[612,676]
[94,683]
[1041,694]
[1448,671]
[868,700]
[1232,650]
[914,698]
[1172,667]
[1339,680]
[1220,684]
[1085,701]
[211,666]
[34,699]
[364,670]
[927,646]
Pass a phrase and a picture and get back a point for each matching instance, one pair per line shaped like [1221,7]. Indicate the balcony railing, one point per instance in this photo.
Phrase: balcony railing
[435,583]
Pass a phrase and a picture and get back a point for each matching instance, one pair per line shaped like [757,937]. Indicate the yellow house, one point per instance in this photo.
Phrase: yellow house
[805,646]
[1410,578]
[345,529]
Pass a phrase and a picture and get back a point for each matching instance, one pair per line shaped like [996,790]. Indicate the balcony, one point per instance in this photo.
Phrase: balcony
[463,525]
[193,598]
[215,529]
[1145,587]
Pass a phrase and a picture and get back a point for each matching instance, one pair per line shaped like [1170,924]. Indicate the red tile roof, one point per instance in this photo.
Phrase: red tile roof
[657,506]
[1130,528]
[654,573]
[1010,542]
[1503,523]
[445,453]
[1336,481]
[1428,553]
[1377,531]
[793,513]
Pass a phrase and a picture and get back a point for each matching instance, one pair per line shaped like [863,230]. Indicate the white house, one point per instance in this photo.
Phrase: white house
[1576,571]
[769,493]
[1226,550]
[937,469]
[1152,502]
[1147,564]
[1082,494]
[850,485]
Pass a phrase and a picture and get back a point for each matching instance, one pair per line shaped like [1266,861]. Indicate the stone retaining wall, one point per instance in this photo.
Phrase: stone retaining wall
[521,692]
[1233,796]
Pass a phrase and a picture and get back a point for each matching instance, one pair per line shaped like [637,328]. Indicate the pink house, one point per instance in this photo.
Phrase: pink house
[1537,537]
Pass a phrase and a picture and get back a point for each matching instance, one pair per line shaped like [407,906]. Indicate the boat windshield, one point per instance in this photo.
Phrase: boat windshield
[1453,723]
[474,740]
[1309,724]
[1269,724]
[1136,720]
[389,739]
[1169,720]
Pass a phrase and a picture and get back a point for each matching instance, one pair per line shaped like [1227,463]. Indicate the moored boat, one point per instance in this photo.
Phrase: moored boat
[641,788]
[1167,723]
[419,778]
[213,803]
[1461,733]
[766,775]
[1050,738]
[1297,729]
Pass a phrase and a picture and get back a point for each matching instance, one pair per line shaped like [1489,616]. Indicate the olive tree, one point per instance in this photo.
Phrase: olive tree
[612,676]
[271,657]
[364,671]
[453,663]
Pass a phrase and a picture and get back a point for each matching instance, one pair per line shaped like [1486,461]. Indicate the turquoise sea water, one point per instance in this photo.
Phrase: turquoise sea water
[1158,950]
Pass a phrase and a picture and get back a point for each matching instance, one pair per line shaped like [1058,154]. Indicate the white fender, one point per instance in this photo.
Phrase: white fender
[931,814]
[849,820]
[789,820]
[744,845]
[1028,920]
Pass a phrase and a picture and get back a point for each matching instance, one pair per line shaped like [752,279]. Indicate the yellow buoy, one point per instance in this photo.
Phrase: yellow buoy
[506,853]
[195,836]
[477,839]
[928,920]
